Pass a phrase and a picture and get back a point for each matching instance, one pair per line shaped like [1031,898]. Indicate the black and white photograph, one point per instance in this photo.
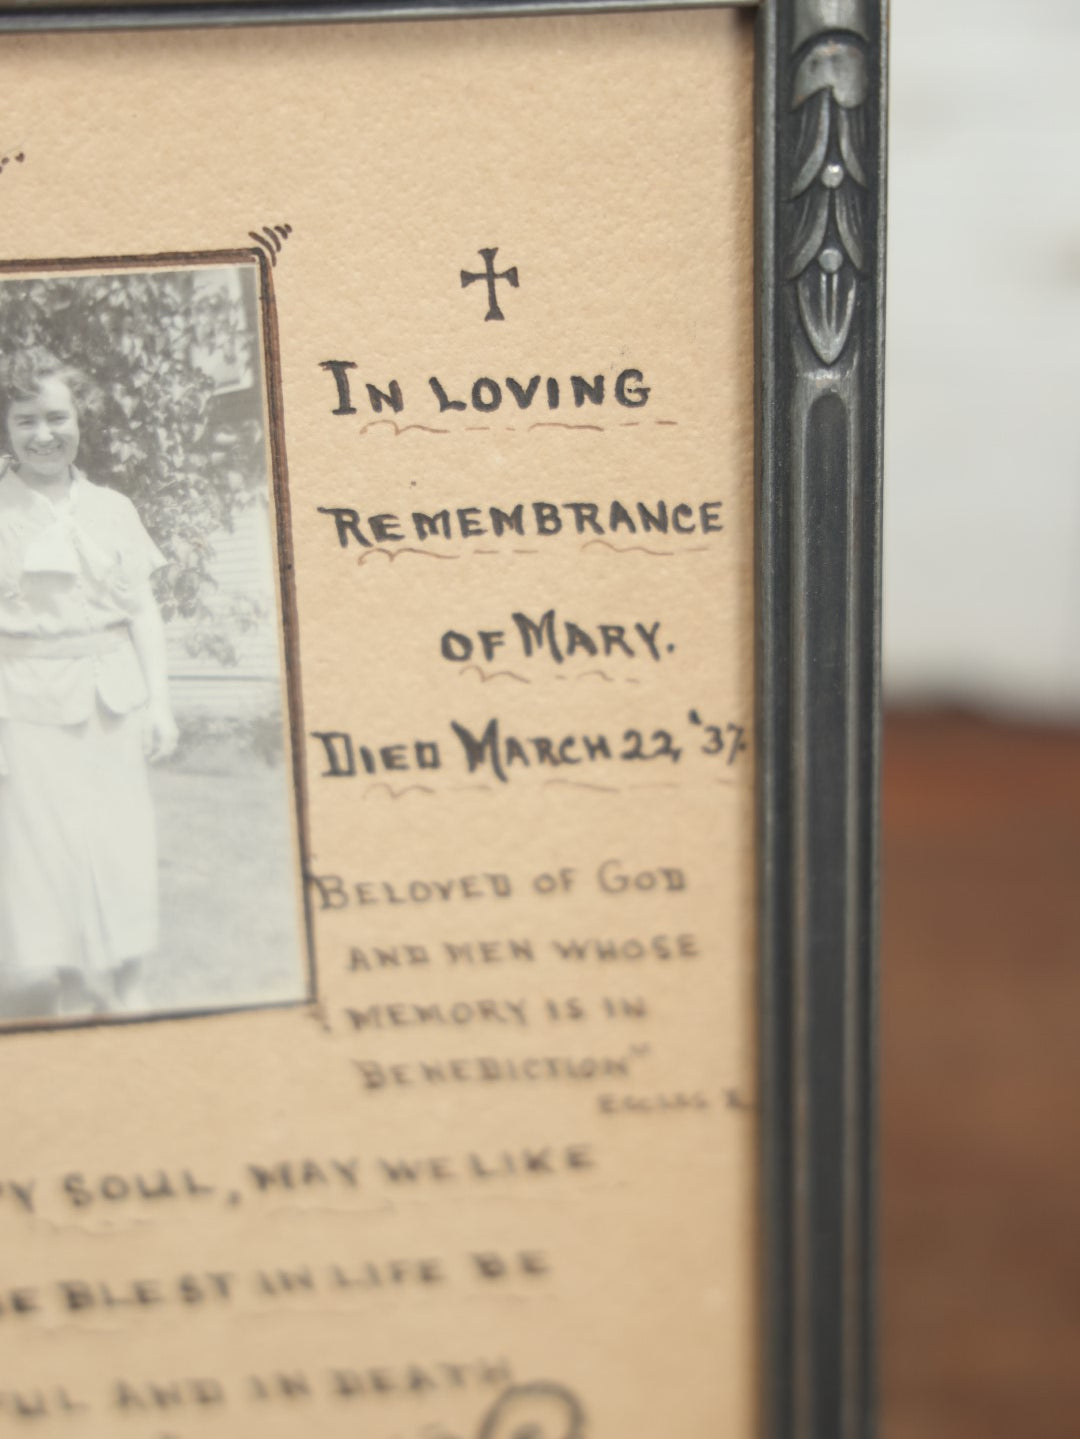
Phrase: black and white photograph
[149,830]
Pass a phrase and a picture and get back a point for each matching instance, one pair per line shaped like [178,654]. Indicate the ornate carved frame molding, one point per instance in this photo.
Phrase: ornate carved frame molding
[820,171]
[821,216]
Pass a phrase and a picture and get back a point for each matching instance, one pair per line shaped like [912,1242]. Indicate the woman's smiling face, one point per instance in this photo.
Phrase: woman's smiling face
[44,432]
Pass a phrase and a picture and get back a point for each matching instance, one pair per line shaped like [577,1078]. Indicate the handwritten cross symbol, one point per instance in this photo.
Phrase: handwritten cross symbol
[489,274]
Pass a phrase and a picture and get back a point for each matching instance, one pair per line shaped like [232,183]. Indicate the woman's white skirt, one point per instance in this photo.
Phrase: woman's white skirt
[78,849]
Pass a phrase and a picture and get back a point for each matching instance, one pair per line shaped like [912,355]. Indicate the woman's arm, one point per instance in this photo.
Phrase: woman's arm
[148,635]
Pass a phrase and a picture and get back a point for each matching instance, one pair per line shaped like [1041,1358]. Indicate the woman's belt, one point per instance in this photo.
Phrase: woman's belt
[64,647]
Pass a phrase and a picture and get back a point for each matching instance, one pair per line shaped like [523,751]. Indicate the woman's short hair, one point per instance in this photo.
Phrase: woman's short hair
[24,371]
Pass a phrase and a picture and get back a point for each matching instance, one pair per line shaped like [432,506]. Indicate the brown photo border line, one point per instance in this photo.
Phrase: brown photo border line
[293,688]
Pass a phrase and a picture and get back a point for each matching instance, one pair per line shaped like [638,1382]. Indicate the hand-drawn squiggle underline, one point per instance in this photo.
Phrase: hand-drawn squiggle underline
[595,674]
[486,678]
[626,549]
[400,430]
[397,793]
[583,784]
[392,555]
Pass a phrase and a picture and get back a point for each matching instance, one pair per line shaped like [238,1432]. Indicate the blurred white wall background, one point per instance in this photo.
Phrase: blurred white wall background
[982,512]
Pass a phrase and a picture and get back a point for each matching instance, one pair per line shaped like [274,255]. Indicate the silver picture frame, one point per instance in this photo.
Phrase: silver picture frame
[820,266]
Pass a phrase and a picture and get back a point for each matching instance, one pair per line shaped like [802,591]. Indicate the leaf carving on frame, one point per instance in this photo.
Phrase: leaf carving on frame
[835,65]
[812,144]
[825,250]
[851,137]
[849,221]
[827,306]
[813,17]
[811,227]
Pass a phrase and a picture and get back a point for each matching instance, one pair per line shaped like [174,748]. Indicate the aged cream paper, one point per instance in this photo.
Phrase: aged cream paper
[502,1172]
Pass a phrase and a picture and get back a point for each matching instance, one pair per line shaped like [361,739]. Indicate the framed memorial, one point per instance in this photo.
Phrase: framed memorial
[439,574]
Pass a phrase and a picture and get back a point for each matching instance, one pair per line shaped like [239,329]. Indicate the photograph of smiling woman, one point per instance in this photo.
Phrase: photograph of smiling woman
[83,703]
[86,702]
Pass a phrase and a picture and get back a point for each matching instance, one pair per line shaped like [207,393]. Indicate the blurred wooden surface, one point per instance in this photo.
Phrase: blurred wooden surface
[980,1081]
